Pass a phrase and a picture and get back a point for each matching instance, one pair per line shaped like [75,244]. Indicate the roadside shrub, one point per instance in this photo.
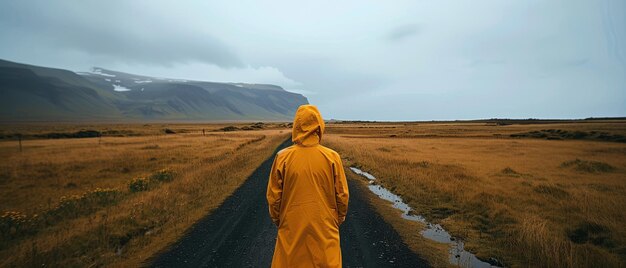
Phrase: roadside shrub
[589,232]
[145,184]
[258,125]
[68,204]
[229,128]
[14,223]
[588,166]
[102,197]
[138,185]
[509,171]
[559,134]
[75,205]
[79,134]
[163,175]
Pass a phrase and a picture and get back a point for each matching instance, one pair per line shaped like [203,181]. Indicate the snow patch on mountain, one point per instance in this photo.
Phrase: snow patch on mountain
[120,88]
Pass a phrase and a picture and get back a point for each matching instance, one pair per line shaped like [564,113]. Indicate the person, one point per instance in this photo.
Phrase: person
[307,194]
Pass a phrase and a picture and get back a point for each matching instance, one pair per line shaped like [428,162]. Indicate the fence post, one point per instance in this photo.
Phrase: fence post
[19,138]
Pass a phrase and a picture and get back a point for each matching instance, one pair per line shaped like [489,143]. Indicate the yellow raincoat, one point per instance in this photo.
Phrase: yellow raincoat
[307,195]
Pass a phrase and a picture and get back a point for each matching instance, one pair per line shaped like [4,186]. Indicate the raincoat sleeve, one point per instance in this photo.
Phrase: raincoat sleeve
[275,191]
[341,191]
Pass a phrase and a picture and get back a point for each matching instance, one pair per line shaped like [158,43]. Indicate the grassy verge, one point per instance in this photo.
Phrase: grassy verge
[120,200]
[523,201]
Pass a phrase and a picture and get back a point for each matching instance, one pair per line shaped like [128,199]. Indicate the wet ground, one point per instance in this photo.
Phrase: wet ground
[458,256]
[240,233]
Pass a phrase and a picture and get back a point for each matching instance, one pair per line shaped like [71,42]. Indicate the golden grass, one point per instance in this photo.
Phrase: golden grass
[130,226]
[528,202]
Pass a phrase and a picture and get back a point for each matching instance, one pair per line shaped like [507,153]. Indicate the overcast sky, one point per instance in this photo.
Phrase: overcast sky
[371,60]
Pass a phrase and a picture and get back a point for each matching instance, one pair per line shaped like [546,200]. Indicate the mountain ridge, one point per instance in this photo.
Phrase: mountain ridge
[34,93]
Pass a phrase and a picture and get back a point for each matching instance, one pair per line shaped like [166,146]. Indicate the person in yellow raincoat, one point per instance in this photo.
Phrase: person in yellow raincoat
[307,194]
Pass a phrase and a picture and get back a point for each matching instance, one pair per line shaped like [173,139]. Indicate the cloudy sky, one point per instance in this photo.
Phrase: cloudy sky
[378,60]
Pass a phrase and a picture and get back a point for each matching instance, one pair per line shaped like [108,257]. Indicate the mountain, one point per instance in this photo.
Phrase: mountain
[33,93]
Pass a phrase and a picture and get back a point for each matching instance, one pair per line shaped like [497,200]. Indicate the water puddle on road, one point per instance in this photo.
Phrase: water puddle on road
[458,255]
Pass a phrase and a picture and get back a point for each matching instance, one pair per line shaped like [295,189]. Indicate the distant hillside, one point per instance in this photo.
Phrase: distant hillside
[33,93]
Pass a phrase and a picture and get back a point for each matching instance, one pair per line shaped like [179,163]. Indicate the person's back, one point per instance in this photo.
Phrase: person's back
[307,195]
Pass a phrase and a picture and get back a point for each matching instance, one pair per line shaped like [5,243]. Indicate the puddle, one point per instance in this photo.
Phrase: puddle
[370,177]
[458,255]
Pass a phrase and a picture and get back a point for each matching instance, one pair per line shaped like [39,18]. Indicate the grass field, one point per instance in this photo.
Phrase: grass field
[547,195]
[528,200]
[120,198]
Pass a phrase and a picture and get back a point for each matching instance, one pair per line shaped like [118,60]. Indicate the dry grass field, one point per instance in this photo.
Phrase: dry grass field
[552,197]
[117,199]
[529,194]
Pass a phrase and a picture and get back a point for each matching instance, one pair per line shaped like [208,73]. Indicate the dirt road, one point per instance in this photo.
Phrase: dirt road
[240,233]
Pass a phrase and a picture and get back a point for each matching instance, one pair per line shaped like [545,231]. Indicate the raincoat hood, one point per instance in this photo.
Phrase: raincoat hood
[308,126]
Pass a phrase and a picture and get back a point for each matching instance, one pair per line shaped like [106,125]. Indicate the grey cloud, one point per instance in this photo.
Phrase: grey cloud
[123,33]
[403,32]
